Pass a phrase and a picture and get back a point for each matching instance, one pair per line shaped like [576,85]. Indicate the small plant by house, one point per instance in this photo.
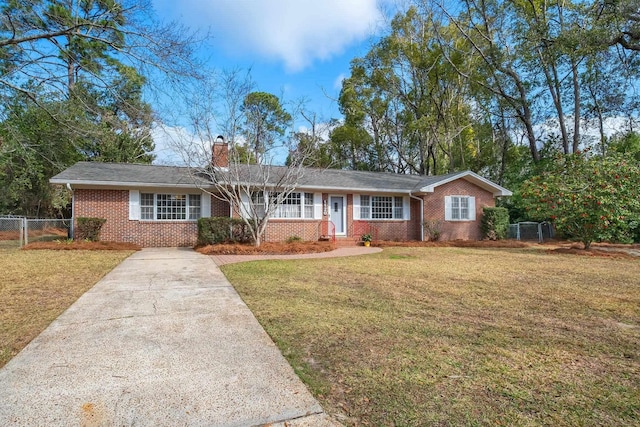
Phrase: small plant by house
[218,230]
[366,239]
[89,228]
[495,223]
[433,230]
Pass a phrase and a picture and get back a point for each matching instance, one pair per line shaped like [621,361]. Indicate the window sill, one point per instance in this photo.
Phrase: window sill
[383,220]
[294,219]
[165,221]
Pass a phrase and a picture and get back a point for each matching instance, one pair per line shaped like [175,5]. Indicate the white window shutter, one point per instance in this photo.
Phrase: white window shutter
[406,208]
[356,206]
[447,208]
[317,205]
[245,209]
[205,205]
[472,208]
[134,205]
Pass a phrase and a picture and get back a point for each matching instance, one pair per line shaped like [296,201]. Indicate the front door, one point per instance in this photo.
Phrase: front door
[336,214]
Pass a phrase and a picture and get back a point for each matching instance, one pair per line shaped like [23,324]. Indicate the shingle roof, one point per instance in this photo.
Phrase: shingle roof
[126,174]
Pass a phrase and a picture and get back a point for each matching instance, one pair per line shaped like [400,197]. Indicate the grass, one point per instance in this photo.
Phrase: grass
[457,336]
[37,286]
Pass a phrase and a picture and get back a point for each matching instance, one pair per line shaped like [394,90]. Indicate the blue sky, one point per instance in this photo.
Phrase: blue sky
[294,48]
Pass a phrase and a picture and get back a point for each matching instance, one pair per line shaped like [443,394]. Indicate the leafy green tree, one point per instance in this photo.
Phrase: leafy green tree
[33,148]
[588,198]
[265,122]
[408,95]
[351,148]
[53,43]
[627,144]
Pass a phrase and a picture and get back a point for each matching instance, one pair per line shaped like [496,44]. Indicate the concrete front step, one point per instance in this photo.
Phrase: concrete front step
[347,242]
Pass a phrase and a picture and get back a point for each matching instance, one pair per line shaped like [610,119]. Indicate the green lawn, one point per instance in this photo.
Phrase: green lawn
[457,336]
[37,286]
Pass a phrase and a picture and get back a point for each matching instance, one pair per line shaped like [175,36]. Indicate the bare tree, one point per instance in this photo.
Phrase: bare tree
[225,167]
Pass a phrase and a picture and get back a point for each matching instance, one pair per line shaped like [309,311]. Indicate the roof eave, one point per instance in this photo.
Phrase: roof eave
[122,183]
[495,189]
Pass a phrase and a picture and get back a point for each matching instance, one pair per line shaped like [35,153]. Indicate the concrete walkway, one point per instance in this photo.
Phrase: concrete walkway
[162,340]
[340,252]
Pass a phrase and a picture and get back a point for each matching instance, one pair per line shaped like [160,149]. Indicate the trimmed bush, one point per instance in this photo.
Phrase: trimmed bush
[89,228]
[216,230]
[495,223]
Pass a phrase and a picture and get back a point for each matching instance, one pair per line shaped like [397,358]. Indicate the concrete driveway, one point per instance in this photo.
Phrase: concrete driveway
[162,340]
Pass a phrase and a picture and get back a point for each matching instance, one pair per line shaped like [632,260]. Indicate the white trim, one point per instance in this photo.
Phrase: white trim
[344,212]
[474,179]
[406,211]
[406,208]
[317,205]
[448,208]
[134,205]
[244,207]
[472,208]
[205,205]
[126,184]
[356,207]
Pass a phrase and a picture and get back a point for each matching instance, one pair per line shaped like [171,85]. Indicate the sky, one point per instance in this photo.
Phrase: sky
[295,48]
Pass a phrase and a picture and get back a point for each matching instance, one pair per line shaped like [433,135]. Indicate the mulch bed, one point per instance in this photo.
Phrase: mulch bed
[267,248]
[82,245]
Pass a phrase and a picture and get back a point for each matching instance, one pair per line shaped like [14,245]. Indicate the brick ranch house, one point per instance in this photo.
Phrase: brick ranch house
[157,206]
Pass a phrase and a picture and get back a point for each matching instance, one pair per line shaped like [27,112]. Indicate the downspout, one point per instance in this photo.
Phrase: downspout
[73,202]
[421,215]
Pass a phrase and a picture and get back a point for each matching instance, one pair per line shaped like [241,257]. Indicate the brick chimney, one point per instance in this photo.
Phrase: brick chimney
[220,153]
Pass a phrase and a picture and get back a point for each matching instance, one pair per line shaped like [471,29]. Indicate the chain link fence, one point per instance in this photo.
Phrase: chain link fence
[11,231]
[17,231]
[531,231]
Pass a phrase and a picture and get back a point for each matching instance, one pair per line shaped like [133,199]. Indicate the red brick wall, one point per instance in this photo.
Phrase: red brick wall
[453,230]
[114,206]
[219,208]
[398,230]
[279,230]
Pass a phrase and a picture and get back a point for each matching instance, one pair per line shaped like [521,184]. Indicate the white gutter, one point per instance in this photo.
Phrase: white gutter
[123,184]
[421,215]
[73,202]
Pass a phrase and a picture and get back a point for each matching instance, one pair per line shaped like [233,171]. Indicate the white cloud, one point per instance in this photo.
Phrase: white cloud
[337,83]
[296,32]
[176,146]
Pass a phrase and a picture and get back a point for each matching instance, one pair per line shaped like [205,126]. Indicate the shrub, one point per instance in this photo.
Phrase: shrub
[433,230]
[495,223]
[222,230]
[89,228]
[294,239]
[588,198]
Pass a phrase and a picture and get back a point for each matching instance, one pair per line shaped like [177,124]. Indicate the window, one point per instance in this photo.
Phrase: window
[170,206]
[290,206]
[194,206]
[146,206]
[308,205]
[257,200]
[381,207]
[295,205]
[459,208]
